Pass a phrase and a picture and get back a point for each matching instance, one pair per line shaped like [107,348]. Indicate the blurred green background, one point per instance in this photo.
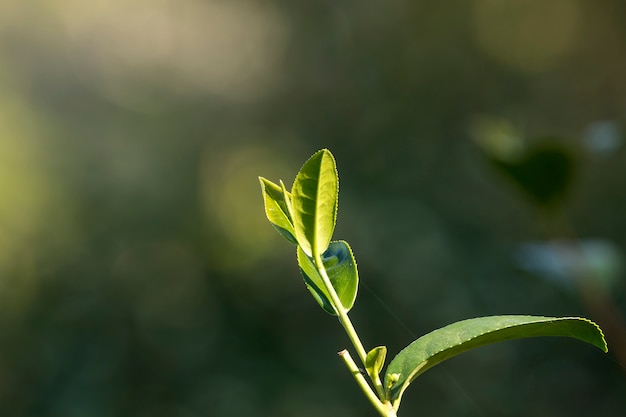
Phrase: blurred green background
[479,146]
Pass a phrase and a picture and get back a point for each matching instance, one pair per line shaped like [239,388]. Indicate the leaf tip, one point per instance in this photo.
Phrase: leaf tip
[597,339]
[264,182]
[601,342]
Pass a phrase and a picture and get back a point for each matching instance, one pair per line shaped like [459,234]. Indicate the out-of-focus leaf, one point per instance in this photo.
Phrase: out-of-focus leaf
[544,173]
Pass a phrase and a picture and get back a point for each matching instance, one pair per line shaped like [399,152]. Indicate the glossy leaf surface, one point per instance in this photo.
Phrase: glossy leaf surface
[459,337]
[341,269]
[314,202]
[277,203]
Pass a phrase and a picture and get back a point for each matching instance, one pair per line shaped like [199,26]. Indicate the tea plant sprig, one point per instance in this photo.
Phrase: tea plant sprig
[306,216]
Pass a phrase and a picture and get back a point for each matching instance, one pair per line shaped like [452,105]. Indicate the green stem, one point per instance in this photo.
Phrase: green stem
[384,409]
[342,315]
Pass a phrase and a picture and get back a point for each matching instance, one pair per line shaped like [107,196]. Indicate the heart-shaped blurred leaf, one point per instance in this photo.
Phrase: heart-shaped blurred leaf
[277,203]
[340,266]
[314,202]
[545,173]
[439,345]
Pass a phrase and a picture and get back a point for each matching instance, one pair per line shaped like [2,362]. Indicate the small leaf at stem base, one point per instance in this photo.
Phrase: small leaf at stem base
[375,360]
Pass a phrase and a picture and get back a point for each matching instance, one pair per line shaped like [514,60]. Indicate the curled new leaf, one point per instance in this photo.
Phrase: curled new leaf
[341,269]
[459,337]
[277,210]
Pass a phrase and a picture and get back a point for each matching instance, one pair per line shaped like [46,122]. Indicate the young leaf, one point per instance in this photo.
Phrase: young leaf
[288,206]
[277,202]
[314,202]
[375,360]
[444,343]
[341,269]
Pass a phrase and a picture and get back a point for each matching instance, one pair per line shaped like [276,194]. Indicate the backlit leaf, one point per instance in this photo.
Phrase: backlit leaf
[314,202]
[341,269]
[277,203]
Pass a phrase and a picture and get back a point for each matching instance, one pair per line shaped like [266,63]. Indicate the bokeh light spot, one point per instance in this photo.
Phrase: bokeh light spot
[229,49]
[232,197]
[34,209]
[529,35]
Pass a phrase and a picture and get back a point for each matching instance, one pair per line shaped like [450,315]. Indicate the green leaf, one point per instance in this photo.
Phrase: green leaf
[314,202]
[439,345]
[340,266]
[276,200]
[375,360]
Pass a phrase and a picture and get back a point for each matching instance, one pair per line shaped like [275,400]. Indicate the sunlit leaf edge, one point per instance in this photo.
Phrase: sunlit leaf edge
[314,201]
[276,203]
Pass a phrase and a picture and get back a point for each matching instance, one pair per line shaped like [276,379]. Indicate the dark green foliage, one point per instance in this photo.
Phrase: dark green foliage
[544,173]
